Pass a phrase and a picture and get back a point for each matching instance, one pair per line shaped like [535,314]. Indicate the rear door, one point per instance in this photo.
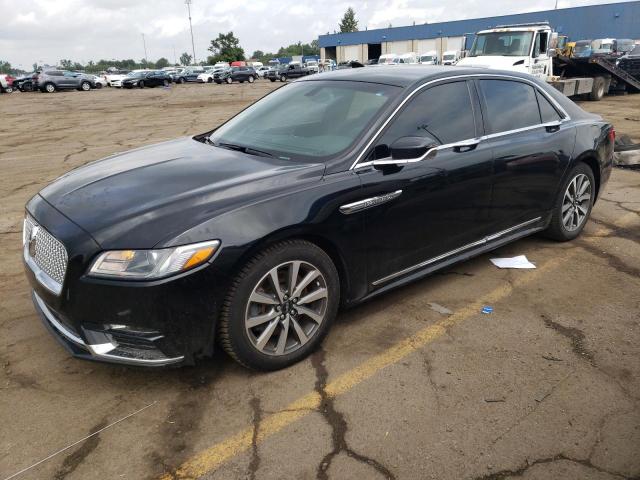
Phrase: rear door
[532,143]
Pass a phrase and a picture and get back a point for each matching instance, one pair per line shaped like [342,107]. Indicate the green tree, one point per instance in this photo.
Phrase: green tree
[66,64]
[162,62]
[185,59]
[226,48]
[258,54]
[5,67]
[299,49]
[349,22]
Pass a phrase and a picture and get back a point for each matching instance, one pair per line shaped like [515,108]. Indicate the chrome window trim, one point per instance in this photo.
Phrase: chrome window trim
[450,253]
[565,118]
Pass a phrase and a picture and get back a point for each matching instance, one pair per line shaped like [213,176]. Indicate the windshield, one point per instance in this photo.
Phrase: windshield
[508,44]
[426,58]
[601,47]
[136,74]
[448,57]
[625,45]
[388,60]
[312,121]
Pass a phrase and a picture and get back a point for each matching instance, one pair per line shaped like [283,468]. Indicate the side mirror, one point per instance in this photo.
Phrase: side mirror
[411,148]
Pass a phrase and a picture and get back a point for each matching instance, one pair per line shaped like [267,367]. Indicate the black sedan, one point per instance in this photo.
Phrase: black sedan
[255,233]
[146,79]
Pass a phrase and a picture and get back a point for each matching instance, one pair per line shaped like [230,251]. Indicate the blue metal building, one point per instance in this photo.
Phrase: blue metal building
[615,20]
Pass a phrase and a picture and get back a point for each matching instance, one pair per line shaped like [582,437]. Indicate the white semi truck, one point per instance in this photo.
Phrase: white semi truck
[531,48]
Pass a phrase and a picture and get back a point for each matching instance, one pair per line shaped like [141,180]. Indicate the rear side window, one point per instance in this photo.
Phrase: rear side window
[510,105]
[443,112]
[547,111]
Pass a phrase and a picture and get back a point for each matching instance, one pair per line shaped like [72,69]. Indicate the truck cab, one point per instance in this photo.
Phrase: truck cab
[522,48]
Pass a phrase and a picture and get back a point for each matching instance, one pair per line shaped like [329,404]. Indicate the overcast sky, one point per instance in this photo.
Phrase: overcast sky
[46,31]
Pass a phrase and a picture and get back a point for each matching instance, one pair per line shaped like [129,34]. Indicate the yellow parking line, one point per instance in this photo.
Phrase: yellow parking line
[211,458]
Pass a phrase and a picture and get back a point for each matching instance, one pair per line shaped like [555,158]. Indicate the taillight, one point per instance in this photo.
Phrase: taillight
[612,135]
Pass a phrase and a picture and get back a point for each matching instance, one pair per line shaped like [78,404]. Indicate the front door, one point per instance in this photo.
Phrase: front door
[425,210]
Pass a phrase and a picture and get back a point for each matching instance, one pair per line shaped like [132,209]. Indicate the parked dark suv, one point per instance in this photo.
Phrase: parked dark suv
[284,72]
[152,78]
[52,79]
[324,193]
[235,74]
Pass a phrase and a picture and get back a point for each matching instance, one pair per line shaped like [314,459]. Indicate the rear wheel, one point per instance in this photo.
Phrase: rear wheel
[8,90]
[209,80]
[141,83]
[250,79]
[181,80]
[85,86]
[165,83]
[573,205]
[272,79]
[229,80]
[597,91]
[280,306]
[283,78]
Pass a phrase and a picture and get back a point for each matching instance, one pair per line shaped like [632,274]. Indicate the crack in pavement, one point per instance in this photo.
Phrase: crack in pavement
[254,465]
[338,424]
[632,234]
[520,471]
[576,337]
[75,459]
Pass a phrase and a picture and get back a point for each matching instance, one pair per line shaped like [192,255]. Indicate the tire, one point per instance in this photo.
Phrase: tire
[272,79]
[229,80]
[241,81]
[283,78]
[261,346]
[141,84]
[251,79]
[209,80]
[8,90]
[218,81]
[597,91]
[85,86]
[98,86]
[49,88]
[569,218]
[165,83]
[181,80]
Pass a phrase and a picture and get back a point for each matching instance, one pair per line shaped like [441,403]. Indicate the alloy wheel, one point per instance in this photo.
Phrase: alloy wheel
[85,86]
[50,88]
[576,202]
[286,308]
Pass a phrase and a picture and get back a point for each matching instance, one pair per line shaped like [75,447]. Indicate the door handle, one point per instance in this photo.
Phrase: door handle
[552,127]
[466,145]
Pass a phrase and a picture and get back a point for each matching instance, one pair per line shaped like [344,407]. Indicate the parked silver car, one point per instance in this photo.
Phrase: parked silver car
[50,80]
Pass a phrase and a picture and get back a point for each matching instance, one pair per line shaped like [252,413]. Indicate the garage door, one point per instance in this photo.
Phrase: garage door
[352,52]
[399,47]
[425,46]
[455,43]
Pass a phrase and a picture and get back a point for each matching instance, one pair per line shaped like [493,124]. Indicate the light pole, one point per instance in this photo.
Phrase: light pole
[193,48]
[146,60]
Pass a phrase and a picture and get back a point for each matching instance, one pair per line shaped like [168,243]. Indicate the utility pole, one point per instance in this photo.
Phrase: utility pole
[175,59]
[146,60]
[556,5]
[193,47]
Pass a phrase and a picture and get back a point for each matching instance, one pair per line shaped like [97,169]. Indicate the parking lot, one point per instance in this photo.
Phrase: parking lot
[415,384]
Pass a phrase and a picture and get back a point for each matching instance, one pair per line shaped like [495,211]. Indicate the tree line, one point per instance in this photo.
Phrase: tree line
[224,48]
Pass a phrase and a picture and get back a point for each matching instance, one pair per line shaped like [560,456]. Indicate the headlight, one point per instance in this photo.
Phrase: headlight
[152,264]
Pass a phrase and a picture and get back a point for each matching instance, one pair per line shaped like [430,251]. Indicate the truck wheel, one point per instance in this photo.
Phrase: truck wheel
[597,92]
[272,79]
[283,78]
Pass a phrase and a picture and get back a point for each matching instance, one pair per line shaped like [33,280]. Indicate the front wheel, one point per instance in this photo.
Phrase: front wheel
[283,78]
[85,86]
[229,80]
[272,79]
[141,84]
[573,205]
[280,306]
[165,83]
[250,79]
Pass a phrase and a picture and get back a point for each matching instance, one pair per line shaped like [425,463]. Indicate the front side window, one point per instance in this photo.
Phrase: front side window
[443,112]
[509,44]
[510,105]
[312,121]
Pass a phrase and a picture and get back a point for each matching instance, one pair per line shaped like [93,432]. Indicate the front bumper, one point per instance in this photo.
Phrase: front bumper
[149,323]
[123,347]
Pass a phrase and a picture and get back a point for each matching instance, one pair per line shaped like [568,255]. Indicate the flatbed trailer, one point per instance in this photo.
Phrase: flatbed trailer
[594,76]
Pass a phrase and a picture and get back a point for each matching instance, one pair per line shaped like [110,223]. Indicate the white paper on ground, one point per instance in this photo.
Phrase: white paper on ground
[516,262]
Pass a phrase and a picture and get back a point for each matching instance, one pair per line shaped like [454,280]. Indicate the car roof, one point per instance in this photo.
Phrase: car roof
[406,75]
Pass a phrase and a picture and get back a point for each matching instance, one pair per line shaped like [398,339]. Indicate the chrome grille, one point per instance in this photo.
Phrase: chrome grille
[48,254]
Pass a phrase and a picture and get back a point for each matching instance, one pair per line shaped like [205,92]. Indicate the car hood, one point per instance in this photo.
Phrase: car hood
[148,196]
[499,62]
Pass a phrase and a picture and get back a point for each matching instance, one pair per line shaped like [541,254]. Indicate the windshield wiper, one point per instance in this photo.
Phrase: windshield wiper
[241,148]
